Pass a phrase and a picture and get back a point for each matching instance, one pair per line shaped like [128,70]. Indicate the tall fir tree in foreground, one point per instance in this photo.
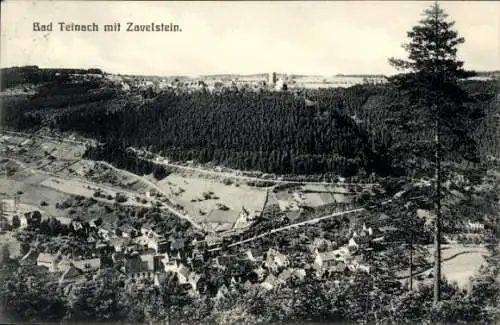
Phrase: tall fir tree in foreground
[430,77]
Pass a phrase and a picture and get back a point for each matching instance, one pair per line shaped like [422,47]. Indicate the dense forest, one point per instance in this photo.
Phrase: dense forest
[344,131]
[122,158]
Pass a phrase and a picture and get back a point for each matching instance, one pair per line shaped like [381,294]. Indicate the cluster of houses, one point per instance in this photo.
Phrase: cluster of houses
[330,259]
[273,269]
[149,256]
[140,254]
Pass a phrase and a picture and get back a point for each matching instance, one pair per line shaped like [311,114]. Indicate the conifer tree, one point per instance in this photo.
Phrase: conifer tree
[431,78]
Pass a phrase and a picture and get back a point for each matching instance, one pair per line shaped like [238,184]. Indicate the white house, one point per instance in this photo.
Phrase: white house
[184,274]
[474,226]
[48,260]
[270,282]
[275,260]
[353,244]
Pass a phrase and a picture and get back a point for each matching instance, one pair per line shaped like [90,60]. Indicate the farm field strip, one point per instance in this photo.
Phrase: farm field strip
[157,188]
[79,188]
[190,191]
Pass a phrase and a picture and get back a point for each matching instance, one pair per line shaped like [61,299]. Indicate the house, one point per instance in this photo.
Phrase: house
[158,243]
[356,265]
[165,261]
[64,264]
[160,278]
[299,274]
[270,282]
[338,268]
[275,260]
[353,245]
[106,232]
[88,265]
[285,276]
[77,225]
[140,267]
[48,260]
[260,272]
[196,255]
[71,275]
[322,245]
[367,230]
[14,221]
[252,254]
[325,261]
[221,292]
[23,221]
[149,229]
[387,229]
[127,231]
[177,244]
[184,275]
[120,244]
[212,241]
[176,257]
[474,226]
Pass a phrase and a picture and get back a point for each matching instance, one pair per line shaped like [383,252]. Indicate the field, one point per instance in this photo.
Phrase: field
[459,263]
[36,185]
[312,196]
[201,197]
[102,173]
[32,193]
[86,189]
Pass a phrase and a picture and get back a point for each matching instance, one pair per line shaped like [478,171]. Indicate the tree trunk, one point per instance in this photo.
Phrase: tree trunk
[437,224]
[411,265]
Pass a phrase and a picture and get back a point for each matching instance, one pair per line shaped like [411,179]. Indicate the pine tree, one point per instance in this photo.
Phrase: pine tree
[431,79]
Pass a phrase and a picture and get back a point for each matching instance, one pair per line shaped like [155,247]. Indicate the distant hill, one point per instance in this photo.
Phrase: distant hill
[346,131]
[493,74]
[11,77]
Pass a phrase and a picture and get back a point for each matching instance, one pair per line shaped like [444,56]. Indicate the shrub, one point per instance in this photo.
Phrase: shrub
[120,198]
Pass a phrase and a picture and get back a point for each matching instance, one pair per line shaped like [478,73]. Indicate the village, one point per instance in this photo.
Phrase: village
[202,234]
[145,256]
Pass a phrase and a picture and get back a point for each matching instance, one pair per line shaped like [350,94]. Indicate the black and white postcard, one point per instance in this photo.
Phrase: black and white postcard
[249,162]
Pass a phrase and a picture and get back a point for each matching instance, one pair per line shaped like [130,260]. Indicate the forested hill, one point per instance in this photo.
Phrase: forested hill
[11,77]
[344,131]
[271,132]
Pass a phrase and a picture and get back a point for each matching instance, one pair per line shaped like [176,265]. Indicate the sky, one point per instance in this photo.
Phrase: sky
[323,37]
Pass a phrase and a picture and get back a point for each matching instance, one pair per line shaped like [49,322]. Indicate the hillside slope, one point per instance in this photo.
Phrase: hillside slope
[342,131]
